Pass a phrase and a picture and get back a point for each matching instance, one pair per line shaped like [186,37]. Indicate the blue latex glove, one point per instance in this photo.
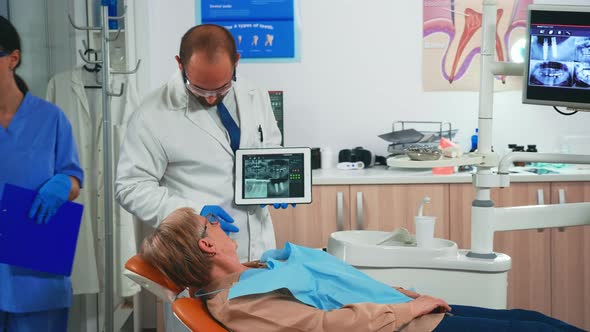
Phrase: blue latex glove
[50,198]
[277,254]
[280,205]
[225,219]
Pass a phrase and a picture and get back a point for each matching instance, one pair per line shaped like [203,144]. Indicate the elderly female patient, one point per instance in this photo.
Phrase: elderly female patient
[302,289]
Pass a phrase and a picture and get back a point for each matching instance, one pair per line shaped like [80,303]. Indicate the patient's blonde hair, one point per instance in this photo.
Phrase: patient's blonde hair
[173,249]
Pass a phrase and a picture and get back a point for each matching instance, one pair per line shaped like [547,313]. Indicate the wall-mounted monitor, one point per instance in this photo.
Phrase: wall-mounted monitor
[557,66]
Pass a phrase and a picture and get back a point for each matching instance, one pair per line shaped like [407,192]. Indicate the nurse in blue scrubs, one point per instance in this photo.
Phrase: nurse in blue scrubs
[37,151]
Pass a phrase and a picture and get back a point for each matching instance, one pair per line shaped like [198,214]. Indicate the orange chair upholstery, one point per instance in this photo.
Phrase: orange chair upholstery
[187,309]
[192,312]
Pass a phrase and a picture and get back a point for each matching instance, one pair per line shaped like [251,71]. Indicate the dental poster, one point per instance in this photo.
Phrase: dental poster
[452,43]
[261,28]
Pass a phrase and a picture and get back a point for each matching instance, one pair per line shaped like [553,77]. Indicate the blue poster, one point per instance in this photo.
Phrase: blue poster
[261,28]
[263,39]
[230,10]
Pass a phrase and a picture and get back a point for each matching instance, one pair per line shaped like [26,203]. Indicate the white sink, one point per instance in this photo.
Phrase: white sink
[442,271]
[359,248]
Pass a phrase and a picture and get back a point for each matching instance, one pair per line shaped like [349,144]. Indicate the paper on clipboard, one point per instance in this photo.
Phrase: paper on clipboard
[42,247]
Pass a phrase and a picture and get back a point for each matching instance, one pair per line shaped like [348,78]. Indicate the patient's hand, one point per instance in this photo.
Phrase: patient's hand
[408,293]
[425,304]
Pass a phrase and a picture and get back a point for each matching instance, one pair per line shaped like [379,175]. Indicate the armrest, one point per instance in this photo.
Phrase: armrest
[194,315]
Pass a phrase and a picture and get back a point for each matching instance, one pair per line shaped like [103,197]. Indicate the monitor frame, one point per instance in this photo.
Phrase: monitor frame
[531,94]
[240,171]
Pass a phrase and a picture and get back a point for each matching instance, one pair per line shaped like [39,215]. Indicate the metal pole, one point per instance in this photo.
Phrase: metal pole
[108,177]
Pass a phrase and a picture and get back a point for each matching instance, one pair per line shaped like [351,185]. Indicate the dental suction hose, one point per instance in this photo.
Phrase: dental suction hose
[425,201]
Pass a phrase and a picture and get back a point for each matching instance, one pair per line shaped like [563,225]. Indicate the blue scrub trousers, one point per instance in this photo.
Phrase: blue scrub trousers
[39,321]
[466,318]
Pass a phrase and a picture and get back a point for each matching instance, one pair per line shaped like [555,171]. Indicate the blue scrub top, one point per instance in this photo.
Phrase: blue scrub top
[37,144]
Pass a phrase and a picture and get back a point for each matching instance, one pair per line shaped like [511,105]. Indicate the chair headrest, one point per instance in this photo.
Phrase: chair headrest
[150,278]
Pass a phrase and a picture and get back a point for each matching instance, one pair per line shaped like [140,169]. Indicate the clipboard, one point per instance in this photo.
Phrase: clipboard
[42,247]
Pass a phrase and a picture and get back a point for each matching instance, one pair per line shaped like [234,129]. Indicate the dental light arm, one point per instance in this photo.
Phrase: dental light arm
[485,219]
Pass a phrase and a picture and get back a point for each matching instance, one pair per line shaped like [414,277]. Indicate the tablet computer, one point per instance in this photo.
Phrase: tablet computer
[277,175]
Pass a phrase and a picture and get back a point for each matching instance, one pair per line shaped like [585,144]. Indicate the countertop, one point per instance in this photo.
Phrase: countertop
[385,175]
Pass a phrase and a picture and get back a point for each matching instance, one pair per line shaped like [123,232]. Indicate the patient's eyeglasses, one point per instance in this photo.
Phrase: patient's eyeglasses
[3,54]
[211,219]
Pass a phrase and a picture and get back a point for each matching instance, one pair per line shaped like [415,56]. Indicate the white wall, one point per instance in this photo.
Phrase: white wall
[360,70]
[48,40]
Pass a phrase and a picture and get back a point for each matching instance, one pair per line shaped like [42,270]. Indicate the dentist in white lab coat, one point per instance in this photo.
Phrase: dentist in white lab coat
[178,150]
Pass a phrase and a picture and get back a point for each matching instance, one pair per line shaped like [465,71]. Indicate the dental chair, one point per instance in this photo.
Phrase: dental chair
[192,312]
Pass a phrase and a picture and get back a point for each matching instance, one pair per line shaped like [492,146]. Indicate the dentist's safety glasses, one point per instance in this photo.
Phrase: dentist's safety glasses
[200,92]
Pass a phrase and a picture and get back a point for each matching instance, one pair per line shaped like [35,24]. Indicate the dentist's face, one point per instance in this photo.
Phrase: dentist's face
[209,81]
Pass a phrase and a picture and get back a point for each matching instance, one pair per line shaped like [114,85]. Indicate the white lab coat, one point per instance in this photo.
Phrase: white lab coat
[175,155]
[67,91]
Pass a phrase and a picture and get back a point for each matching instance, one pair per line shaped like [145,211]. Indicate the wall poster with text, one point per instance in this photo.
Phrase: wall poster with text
[261,28]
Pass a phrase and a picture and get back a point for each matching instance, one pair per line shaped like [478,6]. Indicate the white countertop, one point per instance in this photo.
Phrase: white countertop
[385,175]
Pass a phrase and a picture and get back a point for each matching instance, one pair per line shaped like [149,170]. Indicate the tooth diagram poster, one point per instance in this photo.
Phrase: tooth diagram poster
[452,42]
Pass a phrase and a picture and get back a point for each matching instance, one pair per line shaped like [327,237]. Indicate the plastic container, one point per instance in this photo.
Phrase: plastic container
[328,159]
[474,139]
[424,231]
[450,170]
[113,6]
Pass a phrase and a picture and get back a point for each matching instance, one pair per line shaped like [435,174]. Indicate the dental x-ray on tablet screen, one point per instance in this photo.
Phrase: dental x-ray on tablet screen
[268,176]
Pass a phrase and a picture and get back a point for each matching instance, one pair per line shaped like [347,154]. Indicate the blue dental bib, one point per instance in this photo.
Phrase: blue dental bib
[315,278]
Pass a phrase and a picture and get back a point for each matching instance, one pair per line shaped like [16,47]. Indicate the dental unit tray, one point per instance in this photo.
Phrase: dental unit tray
[401,137]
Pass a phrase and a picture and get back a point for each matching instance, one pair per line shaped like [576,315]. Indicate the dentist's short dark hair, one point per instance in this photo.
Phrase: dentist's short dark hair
[211,39]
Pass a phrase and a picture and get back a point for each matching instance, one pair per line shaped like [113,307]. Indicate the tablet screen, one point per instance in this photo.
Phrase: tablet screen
[273,176]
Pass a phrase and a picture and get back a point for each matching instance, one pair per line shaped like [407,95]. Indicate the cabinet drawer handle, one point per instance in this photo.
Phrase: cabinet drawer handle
[540,201]
[340,211]
[540,197]
[359,210]
[561,201]
[562,196]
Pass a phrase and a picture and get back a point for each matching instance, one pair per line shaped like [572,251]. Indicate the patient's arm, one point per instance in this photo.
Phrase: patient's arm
[277,311]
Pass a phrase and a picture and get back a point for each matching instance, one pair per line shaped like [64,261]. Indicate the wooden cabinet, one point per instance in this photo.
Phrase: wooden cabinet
[386,207]
[529,279]
[376,207]
[570,260]
[311,224]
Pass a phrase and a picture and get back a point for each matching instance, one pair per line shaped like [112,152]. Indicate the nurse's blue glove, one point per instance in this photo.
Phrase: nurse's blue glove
[280,205]
[276,254]
[50,198]
[225,219]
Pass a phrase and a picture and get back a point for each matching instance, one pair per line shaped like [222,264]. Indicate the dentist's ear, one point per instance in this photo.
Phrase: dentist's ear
[178,61]
[234,78]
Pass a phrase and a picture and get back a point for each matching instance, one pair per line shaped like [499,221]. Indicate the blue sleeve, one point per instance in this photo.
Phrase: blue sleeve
[66,160]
